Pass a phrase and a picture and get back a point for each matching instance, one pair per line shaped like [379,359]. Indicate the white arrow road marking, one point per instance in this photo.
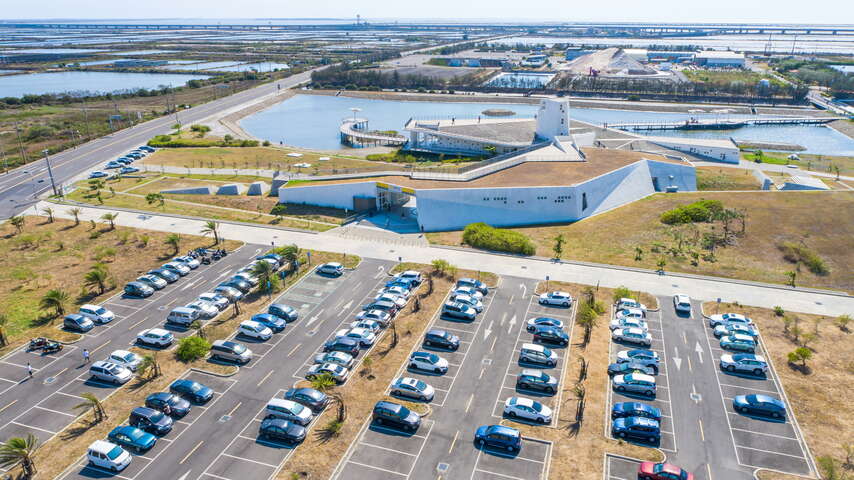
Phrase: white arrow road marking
[676,360]
[511,323]
[314,318]
[488,330]
[694,395]
[184,476]
[699,351]
[380,271]
[524,289]
[345,308]
[503,318]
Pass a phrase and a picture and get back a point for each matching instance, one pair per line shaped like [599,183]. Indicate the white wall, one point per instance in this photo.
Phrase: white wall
[335,195]
[553,119]
[711,152]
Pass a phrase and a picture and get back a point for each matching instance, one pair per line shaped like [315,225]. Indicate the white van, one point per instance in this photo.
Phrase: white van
[110,372]
[108,456]
[288,410]
[183,316]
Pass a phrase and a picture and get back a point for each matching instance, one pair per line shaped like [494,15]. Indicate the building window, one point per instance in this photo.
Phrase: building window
[583,202]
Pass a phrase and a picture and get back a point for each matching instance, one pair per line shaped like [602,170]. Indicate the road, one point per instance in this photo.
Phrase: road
[21,186]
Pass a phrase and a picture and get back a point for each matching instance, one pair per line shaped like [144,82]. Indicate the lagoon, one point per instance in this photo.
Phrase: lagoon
[91,82]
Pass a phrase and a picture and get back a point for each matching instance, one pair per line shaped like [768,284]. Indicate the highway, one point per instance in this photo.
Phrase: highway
[20,188]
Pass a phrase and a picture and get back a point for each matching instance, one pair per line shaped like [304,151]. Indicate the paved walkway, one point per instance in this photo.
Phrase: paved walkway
[709,288]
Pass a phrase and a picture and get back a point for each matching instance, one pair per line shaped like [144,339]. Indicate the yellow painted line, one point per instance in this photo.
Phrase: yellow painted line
[702,435]
[453,442]
[102,346]
[294,349]
[689,363]
[468,404]
[137,323]
[481,373]
[265,378]
[61,372]
[10,404]
[709,469]
[235,408]
[191,452]
[493,343]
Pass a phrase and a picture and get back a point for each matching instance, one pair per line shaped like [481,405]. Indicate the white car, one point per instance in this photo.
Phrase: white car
[468,291]
[155,336]
[379,316]
[630,313]
[288,410]
[215,299]
[178,267]
[525,408]
[428,362]
[339,358]
[253,329]
[468,301]
[682,303]
[206,309]
[412,276]
[725,318]
[628,323]
[412,388]
[364,336]
[632,335]
[337,372]
[371,325]
[630,303]
[556,298]
[126,359]
[108,456]
[97,313]
[188,261]
[397,290]
[400,302]
[248,277]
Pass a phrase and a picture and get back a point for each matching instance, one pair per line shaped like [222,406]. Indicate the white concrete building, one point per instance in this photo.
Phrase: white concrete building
[720,59]
[719,150]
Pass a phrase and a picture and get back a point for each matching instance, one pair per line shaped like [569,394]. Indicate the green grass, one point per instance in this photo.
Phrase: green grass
[725,77]
[808,161]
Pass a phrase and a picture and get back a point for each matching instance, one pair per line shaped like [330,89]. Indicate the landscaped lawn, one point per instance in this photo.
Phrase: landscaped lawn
[808,161]
[722,178]
[819,220]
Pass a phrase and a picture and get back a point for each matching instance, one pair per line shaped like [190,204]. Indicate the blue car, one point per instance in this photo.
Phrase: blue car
[547,334]
[760,404]
[132,438]
[275,323]
[640,428]
[126,170]
[191,390]
[635,409]
[287,312]
[498,437]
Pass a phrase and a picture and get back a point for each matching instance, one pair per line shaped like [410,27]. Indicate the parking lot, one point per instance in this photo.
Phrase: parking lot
[481,374]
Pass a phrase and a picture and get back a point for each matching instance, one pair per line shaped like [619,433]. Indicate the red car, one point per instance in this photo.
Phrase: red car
[662,471]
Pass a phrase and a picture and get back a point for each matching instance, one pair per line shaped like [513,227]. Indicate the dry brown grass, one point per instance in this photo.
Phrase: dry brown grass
[819,219]
[263,158]
[721,178]
[817,398]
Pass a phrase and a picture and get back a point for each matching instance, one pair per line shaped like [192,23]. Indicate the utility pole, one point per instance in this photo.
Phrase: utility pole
[86,120]
[49,171]
[20,143]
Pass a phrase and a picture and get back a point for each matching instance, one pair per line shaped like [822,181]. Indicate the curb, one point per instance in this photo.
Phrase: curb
[220,375]
[648,271]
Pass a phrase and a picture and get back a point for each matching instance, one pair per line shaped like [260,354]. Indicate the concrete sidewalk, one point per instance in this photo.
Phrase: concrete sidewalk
[709,288]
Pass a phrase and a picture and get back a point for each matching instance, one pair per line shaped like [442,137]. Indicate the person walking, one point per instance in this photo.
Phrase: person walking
[85,356]
[29,370]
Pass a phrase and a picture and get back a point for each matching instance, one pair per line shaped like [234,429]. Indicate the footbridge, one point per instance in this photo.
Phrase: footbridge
[355,133]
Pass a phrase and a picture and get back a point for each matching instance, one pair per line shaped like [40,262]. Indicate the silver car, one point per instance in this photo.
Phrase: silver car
[339,358]
[470,301]
[632,335]
[337,372]
[125,359]
[206,309]
[216,299]
[744,363]
[635,383]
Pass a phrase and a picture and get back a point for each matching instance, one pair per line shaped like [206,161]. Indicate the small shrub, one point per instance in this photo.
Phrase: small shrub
[481,235]
[699,211]
[623,292]
[192,348]
[143,240]
[796,253]
[778,310]
[94,234]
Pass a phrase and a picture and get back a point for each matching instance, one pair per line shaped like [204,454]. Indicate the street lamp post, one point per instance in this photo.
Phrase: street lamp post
[50,171]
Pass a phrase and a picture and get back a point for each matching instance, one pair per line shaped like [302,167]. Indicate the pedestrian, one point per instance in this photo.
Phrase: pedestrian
[29,370]
[85,356]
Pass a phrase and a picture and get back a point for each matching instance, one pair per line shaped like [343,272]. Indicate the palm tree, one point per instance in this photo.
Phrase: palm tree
[322,382]
[338,400]
[76,212]
[174,240]
[110,217]
[55,299]
[49,212]
[157,198]
[149,366]
[3,321]
[20,450]
[211,227]
[265,274]
[18,222]
[92,402]
[97,277]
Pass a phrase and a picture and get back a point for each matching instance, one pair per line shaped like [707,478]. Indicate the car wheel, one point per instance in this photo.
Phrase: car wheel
[566,304]
[511,414]
[550,390]
[413,366]
[758,372]
[438,370]
[730,368]
[411,428]
[541,420]
[563,342]
[551,364]
[744,410]
[652,439]
[428,343]
[622,434]
[523,385]
[510,448]
[650,393]
[114,469]
[621,388]
[480,442]
[775,414]
[379,421]
[423,398]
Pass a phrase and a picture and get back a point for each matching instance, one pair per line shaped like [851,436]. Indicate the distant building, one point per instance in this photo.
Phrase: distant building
[574,52]
[725,59]
[658,56]
[637,54]
[719,150]
[534,61]
[803,182]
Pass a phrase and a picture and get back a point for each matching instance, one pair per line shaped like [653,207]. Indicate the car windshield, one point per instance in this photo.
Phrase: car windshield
[195,387]
[100,310]
[115,370]
[433,358]
[420,385]
[173,400]
[238,348]
[128,357]
[297,408]
[114,453]
[537,406]
[157,417]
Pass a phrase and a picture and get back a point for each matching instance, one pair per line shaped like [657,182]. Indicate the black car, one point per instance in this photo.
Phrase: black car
[241,285]
[281,310]
[382,305]
[549,334]
[150,420]
[441,339]
[629,367]
[342,344]
[168,403]
[168,275]
[395,415]
[311,398]
[276,429]
[138,289]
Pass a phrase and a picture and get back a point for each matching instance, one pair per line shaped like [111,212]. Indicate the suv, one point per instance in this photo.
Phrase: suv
[152,281]
[429,362]
[411,276]
[725,318]
[498,436]
[281,310]
[531,379]
[77,322]
[745,363]
[311,398]
[230,351]
[441,339]
[109,456]
[537,355]
[395,415]
[138,289]
[630,303]
[288,410]
[640,428]
[110,372]
[459,310]
[645,357]
[168,275]
[150,420]
[682,303]
[548,334]
[254,330]
[473,283]
[635,383]
[231,293]
[331,268]
[342,344]
[168,403]
[177,267]
[635,409]
[157,337]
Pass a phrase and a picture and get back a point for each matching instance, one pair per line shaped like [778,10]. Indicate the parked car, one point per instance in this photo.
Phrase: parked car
[635,409]
[499,437]
[632,335]
[411,276]
[397,290]
[188,261]
[527,409]
[241,285]
[342,344]
[157,337]
[398,301]
[168,275]
[533,323]
[97,313]
[640,428]
[530,379]
[369,325]
[246,277]
[379,316]
[280,260]
[337,372]
[468,301]
[338,358]
[108,456]
[311,398]
[630,303]
[110,372]
[726,329]
[125,359]
[760,404]
[232,294]
[472,292]
[720,319]
[138,289]
[331,268]
[395,415]
[152,281]
[231,351]
[382,305]
[280,430]
[135,155]
[113,164]
[682,303]
[177,267]
[183,316]
[132,438]
[547,334]
[441,339]
[272,322]
[662,471]
[428,362]
[473,283]
[146,148]
[458,310]
[125,160]
[206,310]
[412,388]
[744,363]
[128,169]
[281,310]
[288,410]
[219,301]
[629,367]
[170,404]
[150,420]
[742,343]
[255,330]
[634,383]
[191,390]
[562,299]
[532,353]
[365,337]
[628,322]
[630,313]
[98,174]
[645,357]
[77,323]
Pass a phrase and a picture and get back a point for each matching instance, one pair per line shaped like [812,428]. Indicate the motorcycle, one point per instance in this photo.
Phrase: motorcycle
[206,260]
[37,343]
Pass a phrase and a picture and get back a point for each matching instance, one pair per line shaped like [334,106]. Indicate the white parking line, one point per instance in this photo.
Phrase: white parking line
[387,449]
[766,434]
[752,389]
[35,428]
[497,474]
[769,451]
[377,468]
[55,411]
[249,460]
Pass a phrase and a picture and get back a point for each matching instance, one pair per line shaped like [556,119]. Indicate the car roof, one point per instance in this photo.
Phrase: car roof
[741,337]
[144,411]
[121,353]
[521,401]
[532,372]
[101,446]
[157,331]
[642,377]
[533,346]
[504,430]
[759,397]
[643,421]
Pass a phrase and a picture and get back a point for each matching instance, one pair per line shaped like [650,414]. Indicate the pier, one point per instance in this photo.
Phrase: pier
[354,132]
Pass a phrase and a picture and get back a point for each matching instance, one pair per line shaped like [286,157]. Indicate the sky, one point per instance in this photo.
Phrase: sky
[732,11]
